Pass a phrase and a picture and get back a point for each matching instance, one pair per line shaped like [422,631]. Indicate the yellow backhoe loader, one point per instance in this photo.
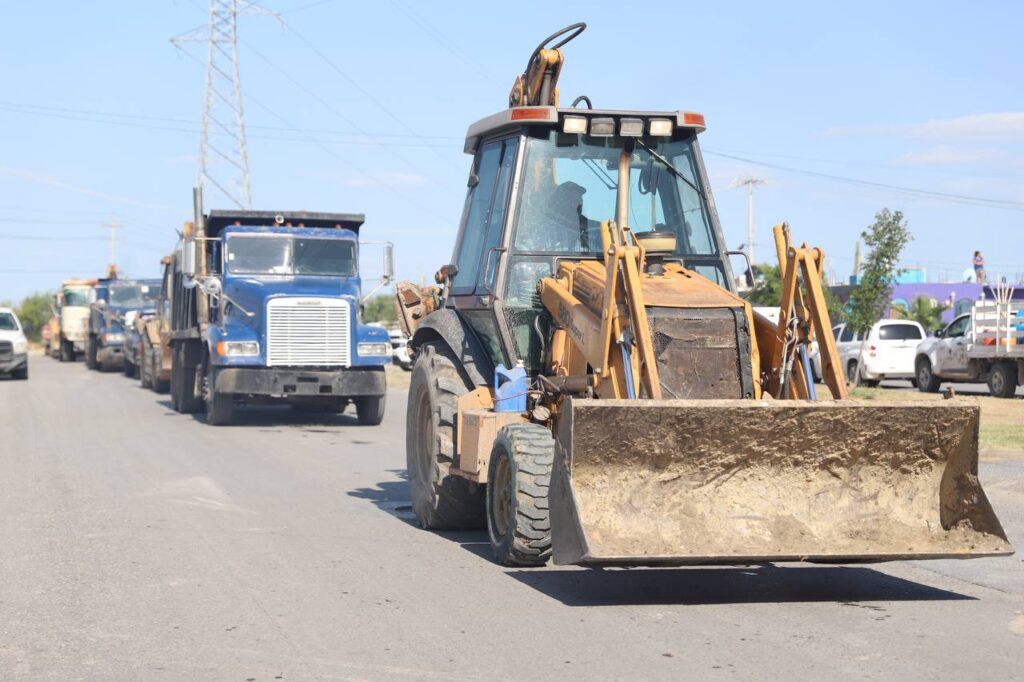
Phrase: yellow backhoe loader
[660,421]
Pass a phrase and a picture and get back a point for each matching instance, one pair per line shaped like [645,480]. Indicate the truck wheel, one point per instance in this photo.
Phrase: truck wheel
[90,352]
[220,407]
[183,380]
[439,500]
[20,374]
[128,368]
[144,378]
[370,411]
[517,495]
[67,350]
[926,381]
[155,366]
[1002,380]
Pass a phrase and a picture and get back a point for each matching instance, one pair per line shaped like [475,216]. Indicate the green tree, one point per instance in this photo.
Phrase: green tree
[767,289]
[921,310]
[381,309]
[34,312]
[885,240]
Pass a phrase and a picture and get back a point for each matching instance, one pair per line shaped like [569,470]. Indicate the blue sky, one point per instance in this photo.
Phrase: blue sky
[99,118]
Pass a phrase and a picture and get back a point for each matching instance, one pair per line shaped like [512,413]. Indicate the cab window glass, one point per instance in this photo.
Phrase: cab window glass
[958,328]
[480,196]
[847,335]
[899,332]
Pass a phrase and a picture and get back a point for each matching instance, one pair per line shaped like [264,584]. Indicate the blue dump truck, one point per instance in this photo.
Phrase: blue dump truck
[112,300]
[266,308]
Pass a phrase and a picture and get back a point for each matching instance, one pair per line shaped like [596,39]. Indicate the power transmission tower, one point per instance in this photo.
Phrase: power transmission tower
[750,182]
[223,156]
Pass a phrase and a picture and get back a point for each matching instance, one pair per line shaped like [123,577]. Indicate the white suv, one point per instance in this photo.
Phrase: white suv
[888,353]
[13,346]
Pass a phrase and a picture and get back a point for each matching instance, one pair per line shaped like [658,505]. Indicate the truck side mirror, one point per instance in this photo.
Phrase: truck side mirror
[745,283]
[939,333]
[389,262]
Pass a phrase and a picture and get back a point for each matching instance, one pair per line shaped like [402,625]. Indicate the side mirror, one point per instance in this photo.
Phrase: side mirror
[746,283]
[939,333]
[389,262]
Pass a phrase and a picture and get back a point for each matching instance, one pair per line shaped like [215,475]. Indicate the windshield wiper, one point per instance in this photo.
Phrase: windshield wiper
[672,169]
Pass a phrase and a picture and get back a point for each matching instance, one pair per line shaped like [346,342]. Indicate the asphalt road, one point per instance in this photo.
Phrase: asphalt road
[136,543]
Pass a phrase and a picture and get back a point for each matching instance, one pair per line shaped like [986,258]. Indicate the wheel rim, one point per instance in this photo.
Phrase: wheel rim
[924,375]
[851,371]
[424,438]
[501,497]
[997,382]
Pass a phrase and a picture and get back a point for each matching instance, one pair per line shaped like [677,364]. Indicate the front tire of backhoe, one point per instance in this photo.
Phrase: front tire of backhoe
[439,500]
[518,477]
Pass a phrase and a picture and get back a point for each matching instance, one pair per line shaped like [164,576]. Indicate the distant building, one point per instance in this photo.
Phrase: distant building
[957,297]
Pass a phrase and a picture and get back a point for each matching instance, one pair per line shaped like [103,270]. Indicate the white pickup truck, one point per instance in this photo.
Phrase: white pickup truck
[986,344]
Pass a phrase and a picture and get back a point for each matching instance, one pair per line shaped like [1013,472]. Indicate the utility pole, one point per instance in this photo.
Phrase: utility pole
[750,182]
[223,164]
[856,262]
[113,226]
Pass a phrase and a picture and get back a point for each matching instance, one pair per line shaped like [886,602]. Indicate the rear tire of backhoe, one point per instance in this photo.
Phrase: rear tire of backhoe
[439,500]
[518,477]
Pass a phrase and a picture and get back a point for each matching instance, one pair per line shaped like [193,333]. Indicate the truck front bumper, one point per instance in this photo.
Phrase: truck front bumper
[10,363]
[282,383]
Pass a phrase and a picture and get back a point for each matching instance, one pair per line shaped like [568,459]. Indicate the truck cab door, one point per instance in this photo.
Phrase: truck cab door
[954,345]
[479,251]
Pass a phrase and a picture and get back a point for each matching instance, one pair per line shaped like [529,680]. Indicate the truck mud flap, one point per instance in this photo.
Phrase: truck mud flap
[676,482]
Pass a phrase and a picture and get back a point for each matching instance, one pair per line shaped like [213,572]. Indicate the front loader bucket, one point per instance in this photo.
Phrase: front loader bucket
[672,482]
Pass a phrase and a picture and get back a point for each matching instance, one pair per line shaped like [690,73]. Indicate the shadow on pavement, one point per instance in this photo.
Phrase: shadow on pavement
[752,585]
[274,415]
[707,585]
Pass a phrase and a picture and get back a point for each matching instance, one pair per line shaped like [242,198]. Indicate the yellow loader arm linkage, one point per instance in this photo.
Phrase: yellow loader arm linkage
[538,85]
[803,314]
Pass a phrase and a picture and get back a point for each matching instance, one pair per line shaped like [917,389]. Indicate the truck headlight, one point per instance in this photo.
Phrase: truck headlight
[235,349]
[374,349]
[20,346]
[113,338]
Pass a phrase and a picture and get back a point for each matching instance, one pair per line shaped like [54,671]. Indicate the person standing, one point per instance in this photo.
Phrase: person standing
[979,268]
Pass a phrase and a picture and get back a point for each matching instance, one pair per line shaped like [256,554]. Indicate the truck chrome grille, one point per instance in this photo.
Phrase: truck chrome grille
[308,332]
[6,350]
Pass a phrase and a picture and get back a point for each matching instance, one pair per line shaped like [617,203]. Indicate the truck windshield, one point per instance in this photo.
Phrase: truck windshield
[291,256]
[132,295]
[8,323]
[76,297]
[570,183]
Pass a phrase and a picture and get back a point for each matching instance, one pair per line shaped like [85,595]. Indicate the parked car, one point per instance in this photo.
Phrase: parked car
[13,346]
[981,345]
[889,351]
[400,349]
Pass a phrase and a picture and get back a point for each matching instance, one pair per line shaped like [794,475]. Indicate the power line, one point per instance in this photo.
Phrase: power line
[946,196]
[366,93]
[83,114]
[373,178]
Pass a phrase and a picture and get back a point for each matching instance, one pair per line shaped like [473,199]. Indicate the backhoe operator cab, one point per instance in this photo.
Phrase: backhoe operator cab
[542,182]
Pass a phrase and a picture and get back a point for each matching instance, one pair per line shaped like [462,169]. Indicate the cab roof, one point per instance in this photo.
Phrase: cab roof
[514,117]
